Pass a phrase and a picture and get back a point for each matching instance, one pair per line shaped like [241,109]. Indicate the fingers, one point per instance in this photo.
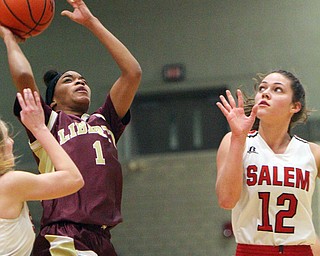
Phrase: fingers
[224,103]
[21,100]
[231,100]
[240,99]
[74,3]
[37,99]
[224,111]
[230,103]
[67,13]
[28,98]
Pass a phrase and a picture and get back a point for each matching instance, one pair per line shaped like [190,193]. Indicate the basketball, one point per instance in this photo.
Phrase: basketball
[26,18]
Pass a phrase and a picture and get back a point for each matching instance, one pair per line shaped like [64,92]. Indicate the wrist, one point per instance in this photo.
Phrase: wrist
[238,137]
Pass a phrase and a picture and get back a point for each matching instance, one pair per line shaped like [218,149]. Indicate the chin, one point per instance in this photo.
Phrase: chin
[83,105]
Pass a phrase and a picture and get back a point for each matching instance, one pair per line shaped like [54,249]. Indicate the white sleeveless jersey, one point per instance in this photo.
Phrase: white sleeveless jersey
[17,235]
[275,204]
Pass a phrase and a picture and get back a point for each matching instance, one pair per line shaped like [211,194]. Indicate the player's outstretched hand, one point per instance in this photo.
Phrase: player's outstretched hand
[32,115]
[81,13]
[239,123]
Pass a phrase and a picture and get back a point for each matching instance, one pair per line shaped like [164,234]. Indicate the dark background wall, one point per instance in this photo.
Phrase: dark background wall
[219,42]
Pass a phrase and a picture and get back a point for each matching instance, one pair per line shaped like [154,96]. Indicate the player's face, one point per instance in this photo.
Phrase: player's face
[274,98]
[72,93]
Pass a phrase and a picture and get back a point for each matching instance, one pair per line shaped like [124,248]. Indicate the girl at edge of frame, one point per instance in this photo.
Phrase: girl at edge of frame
[17,187]
[265,175]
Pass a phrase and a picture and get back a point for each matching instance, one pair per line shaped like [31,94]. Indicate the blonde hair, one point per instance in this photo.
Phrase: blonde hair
[6,164]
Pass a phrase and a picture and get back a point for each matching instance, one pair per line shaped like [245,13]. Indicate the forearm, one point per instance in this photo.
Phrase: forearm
[122,56]
[20,68]
[229,181]
[60,159]
[124,89]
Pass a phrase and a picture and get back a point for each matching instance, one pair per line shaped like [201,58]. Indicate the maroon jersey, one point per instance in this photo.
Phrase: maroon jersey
[90,141]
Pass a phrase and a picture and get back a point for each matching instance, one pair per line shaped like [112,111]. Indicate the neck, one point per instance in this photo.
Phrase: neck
[71,111]
[276,136]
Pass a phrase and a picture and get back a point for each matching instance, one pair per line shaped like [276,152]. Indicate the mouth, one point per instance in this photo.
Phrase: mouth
[81,89]
[263,103]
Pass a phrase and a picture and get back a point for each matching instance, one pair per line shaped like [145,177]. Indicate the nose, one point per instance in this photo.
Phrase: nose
[80,81]
[266,94]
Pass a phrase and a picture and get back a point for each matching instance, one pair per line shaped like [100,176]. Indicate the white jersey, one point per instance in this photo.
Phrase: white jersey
[275,204]
[17,235]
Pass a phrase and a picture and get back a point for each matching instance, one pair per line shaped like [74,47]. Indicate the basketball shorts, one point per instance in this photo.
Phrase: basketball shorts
[71,239]
[268,250]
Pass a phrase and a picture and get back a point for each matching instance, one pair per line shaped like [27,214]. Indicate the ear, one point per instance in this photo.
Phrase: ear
[53,104]
[296,107]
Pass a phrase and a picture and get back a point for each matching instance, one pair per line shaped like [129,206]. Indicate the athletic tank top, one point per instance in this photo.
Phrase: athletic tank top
[275,203]
[17,235]
[91,142]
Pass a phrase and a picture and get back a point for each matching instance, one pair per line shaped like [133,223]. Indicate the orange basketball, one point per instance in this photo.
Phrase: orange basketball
[26,18]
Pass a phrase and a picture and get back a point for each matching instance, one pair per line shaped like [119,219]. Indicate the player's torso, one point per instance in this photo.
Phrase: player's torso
[91,145]
[275,205]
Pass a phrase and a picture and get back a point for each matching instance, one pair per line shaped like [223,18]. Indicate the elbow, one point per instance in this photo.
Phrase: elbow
[134,75]
[138,71]
[24,80]
[227,200]
[79,182]
[226,204]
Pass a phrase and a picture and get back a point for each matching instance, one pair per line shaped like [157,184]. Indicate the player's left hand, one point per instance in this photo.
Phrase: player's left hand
[239,123]
[81,13]
[5,32]
[32,115]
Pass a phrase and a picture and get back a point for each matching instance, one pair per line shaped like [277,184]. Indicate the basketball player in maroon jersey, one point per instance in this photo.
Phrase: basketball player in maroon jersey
[81,223]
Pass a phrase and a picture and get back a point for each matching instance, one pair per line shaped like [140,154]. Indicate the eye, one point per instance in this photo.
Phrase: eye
[261,87]
[278,89]
[67,80]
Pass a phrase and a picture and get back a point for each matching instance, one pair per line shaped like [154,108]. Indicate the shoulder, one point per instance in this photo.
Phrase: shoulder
[12,179]
[315,149]
[11,183]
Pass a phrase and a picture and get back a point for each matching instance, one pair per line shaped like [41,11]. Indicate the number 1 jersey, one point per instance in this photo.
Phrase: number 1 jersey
[90,141]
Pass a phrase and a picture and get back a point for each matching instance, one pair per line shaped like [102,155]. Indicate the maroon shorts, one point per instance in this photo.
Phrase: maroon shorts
[269,250]
[60,237]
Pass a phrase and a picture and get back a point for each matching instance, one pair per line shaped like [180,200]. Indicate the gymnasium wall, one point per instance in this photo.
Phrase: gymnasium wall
[219,42]
[170,208]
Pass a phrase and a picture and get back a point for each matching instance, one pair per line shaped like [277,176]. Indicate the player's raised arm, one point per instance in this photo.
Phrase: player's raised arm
[67,178]
[20,68]
[229,155]
[126,86]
